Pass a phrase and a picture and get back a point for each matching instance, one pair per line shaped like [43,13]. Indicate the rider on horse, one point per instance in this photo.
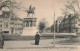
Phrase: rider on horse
[31,10]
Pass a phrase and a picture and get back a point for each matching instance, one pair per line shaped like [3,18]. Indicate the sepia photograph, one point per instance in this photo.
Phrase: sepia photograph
[39,25]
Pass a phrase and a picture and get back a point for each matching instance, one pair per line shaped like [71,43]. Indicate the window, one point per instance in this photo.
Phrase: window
[79,24]
[15,24]
[5,31]
[0,21]
[12,23]
[27,24]
[6,15]
[6,25]
[0,25]
[6,19]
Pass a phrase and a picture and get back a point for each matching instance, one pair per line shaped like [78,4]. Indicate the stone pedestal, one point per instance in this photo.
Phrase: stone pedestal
[30,28]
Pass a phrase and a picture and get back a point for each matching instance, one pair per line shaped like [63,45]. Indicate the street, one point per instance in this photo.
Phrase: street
[45,45]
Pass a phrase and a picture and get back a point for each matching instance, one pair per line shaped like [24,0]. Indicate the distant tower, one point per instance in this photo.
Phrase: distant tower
[30,23]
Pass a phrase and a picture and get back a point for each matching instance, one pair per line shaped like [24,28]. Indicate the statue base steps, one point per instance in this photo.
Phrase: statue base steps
[29,31]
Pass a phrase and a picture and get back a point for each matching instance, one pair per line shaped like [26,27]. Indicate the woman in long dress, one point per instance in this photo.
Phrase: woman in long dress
[37,38]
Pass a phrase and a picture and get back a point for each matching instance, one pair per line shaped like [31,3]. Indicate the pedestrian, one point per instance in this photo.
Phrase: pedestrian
[1,40]
[37,38]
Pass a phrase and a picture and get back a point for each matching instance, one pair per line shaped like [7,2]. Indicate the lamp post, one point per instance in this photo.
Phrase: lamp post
[54,30]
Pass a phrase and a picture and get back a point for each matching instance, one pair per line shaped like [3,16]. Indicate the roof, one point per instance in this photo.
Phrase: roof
[10,14]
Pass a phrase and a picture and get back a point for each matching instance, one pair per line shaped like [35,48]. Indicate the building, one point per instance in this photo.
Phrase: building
[70,24]
[10,23]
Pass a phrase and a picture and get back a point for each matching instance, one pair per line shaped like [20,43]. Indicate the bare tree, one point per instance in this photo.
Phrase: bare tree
[42,25]
[11,4]
[72,6]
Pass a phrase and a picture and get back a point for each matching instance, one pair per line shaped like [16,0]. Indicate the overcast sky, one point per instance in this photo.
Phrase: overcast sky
[44,9]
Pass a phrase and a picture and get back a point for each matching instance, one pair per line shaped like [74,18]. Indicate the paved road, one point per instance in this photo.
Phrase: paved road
[45,45]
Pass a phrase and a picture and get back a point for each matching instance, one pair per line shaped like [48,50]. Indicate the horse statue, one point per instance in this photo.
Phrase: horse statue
[30,11]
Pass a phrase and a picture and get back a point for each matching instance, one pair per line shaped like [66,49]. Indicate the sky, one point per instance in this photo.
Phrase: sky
[44,9]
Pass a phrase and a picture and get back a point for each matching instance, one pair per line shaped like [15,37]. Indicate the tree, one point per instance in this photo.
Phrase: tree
[72,6]
[42,25]
[10,4]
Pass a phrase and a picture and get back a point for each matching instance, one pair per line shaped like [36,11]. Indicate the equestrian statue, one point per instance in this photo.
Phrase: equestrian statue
[30,11]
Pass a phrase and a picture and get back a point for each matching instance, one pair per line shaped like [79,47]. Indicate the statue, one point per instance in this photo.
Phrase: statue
[30,11]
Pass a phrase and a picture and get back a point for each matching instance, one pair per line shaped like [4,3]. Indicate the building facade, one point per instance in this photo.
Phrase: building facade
[10,23]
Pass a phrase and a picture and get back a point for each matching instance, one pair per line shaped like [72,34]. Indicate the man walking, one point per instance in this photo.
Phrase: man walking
[37,38]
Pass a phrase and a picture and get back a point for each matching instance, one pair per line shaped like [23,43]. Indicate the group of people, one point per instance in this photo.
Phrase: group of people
[1,40]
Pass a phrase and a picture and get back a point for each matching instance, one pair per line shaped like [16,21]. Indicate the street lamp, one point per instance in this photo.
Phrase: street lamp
[54,30]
